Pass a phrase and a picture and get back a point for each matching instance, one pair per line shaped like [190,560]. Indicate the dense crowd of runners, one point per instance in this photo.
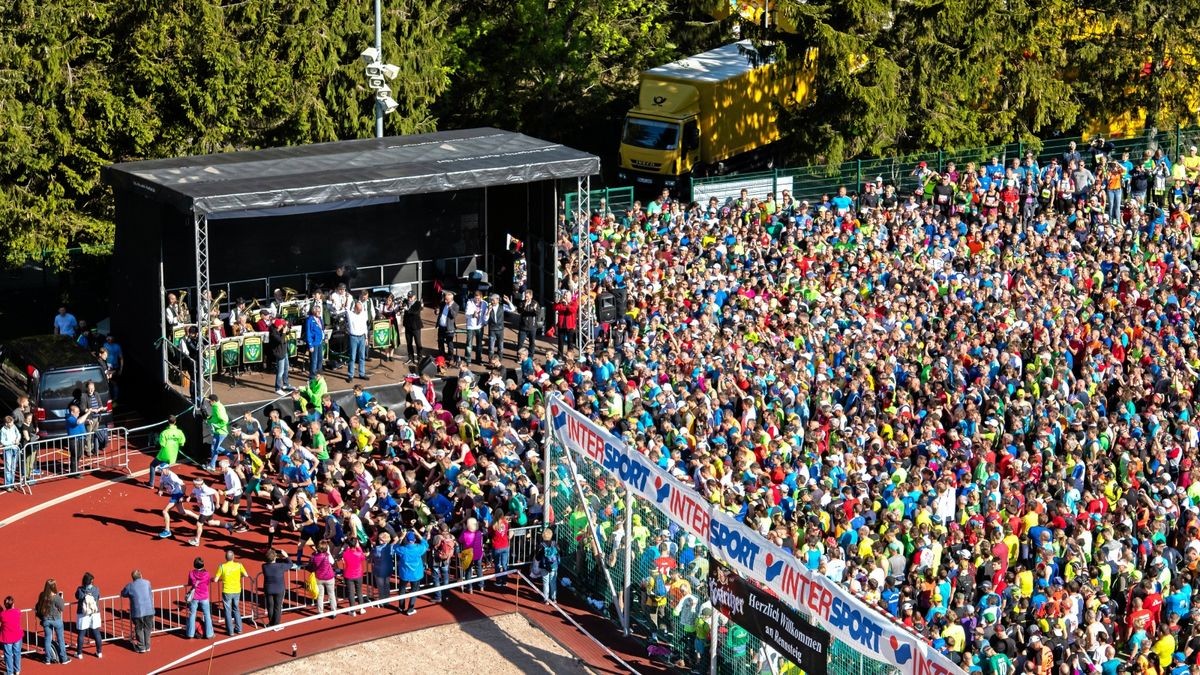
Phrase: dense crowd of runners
[971,404]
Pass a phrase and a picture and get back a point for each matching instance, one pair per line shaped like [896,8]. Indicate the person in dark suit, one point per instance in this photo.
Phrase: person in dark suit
[527,328]
[447,314]
[413,325]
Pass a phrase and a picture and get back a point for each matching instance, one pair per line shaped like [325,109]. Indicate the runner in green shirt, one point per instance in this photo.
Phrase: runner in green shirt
[170,440]
[218,424]
[318,444]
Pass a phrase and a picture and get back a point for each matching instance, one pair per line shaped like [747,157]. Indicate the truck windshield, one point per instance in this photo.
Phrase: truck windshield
[651,134]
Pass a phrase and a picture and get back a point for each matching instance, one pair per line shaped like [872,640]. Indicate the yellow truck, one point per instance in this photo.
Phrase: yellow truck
[710,113]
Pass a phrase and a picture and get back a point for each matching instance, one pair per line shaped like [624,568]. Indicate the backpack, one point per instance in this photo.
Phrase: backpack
[89,605]
[445,548]
[516,506]
[549,557]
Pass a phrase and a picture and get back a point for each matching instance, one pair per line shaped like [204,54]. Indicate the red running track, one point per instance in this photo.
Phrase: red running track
[113,527]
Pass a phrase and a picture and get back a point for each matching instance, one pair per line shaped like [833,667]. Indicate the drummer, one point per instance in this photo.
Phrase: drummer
[339,302]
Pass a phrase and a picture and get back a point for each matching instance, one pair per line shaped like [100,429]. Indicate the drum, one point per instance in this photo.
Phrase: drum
[338,343]
[383,336]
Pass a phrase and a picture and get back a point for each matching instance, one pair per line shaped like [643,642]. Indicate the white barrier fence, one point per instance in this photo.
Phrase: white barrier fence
[105,449]
[171,608]
[348,609]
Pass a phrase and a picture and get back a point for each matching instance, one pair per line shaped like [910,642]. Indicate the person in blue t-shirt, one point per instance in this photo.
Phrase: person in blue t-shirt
[842,203]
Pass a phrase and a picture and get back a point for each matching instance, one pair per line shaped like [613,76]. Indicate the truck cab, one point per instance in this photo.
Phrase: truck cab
[661,137]
[710,112]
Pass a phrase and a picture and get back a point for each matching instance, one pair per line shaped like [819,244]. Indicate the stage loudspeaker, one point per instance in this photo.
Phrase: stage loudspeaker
[427,367]
[606,308]
[622,296]
[450,393]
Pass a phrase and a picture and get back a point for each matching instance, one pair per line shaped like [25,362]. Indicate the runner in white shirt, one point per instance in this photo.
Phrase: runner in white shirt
[280,454]
[232,498]
[416,396]
[171,485]
[206,508]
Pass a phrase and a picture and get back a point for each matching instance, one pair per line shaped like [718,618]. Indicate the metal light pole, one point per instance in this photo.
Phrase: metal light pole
[379,48]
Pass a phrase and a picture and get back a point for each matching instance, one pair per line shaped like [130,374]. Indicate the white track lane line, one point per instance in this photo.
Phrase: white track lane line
[67,497]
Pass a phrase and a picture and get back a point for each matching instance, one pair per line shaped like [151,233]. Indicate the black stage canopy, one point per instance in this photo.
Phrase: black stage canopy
[259,214]
[359,170]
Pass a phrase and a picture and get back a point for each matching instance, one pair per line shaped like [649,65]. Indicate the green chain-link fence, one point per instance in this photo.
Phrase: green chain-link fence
[616,200]
[670,612]
[813,182]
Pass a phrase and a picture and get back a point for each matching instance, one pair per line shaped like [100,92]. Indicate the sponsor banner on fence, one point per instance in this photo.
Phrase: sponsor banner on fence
[832,608]
[769,619]
[731,188]
[580,435]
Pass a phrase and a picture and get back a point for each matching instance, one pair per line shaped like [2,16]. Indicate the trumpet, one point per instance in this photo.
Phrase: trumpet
[183,313]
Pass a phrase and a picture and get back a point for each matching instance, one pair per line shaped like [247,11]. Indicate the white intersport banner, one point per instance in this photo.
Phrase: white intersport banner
[830,606]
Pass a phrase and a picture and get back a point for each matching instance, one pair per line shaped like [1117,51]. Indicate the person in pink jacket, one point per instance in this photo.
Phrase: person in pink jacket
[354,562]
[11,635]
[321,565]
[471,558]
[199,583]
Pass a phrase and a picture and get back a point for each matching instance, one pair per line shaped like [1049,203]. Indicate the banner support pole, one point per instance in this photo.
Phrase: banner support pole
[626,593]
[548,515]
[595,538]
[714,634]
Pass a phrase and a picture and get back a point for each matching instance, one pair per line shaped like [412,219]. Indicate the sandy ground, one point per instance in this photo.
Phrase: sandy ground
[497,646]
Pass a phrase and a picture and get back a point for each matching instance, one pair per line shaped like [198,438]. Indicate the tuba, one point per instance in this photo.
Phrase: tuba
[215,307]
[254,310]
[182,312]
[289,294]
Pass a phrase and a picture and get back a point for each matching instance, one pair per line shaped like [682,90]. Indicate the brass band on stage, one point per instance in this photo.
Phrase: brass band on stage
[238,334]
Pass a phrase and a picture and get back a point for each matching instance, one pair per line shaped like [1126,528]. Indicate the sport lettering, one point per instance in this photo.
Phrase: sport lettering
[735,546]
[858,626]
[626,467]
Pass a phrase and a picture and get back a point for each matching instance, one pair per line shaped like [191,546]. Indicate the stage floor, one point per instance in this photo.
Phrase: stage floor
[258,385]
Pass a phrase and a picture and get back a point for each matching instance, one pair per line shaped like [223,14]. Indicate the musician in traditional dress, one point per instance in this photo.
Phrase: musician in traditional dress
[172,312]
[388,310]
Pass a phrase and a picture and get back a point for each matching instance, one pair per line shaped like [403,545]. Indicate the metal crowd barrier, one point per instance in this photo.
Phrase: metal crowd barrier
[65,456]
[340,610]
[171,607]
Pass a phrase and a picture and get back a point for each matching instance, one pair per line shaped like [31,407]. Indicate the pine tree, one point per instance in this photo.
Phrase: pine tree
[897,76]
[560,69]
[84,83]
